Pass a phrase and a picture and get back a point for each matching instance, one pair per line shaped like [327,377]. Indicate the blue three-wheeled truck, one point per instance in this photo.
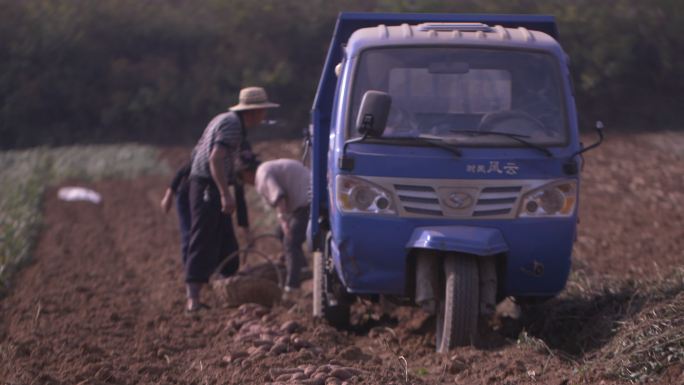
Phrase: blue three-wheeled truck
[445,161]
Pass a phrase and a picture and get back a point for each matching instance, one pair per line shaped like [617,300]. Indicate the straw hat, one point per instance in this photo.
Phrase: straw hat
[253,98]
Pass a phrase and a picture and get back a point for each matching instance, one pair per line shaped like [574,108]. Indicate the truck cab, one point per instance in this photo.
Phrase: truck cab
[445,166]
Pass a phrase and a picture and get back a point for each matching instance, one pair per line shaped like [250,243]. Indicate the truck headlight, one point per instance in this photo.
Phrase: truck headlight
[554,200]
[357,195]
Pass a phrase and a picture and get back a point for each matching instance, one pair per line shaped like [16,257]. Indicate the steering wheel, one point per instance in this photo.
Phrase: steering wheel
[400,120]
[542,109]
[490,120]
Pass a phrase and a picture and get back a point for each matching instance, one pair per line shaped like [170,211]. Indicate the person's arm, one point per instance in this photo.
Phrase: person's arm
[275,195]
[166,200]
[218,173]
[283,215]
[182,174]
[225,141]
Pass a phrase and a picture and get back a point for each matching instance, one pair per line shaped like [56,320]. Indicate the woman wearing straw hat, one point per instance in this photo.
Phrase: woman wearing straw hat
[210,198]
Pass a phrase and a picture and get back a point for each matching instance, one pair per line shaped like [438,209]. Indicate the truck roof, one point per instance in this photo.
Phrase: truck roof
[441,33]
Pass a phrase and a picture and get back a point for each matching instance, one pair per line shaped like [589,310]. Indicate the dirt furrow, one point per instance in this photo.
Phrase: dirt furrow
[103,300]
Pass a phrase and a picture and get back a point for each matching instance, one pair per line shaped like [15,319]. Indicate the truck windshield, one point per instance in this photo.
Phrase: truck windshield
[440,91]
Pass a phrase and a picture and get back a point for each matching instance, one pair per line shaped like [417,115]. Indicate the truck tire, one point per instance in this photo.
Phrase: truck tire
[458,307]
[336,315]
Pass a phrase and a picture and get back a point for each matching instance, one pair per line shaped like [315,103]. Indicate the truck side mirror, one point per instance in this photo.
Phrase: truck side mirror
[570,167]
[373,113]
[599,131]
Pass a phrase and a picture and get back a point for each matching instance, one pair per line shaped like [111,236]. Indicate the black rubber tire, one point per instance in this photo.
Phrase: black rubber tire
[336,315]
[458,308]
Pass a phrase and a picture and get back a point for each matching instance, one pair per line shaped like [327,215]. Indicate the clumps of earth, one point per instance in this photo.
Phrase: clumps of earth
[257,334]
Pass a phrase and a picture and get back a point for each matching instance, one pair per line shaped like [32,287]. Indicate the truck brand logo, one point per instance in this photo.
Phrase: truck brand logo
[494,167]
[459,200]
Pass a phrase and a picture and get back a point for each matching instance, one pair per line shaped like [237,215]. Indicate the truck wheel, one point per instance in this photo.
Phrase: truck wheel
[336,314]
[457,310]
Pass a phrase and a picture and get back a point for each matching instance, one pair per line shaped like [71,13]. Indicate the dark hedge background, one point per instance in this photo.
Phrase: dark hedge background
[92,71]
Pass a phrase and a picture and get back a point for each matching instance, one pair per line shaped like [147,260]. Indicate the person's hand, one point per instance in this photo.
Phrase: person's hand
[227,204]
[166,201]
[246,234]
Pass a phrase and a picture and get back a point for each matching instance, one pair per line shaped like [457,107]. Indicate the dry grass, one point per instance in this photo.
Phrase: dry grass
[647,343]
[607,328]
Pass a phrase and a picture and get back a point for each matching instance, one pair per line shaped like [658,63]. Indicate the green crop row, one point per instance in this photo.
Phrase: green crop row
[24,175]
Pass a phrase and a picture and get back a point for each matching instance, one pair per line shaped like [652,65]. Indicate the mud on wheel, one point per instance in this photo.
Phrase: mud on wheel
[458,305]
[328,303]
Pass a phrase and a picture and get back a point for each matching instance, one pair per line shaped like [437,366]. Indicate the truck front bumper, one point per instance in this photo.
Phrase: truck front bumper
[371,253]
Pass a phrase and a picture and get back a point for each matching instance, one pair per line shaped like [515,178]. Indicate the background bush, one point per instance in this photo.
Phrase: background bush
[83,71]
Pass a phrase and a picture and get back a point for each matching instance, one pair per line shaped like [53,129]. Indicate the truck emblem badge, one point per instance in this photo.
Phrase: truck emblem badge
[494,167]
[459,200]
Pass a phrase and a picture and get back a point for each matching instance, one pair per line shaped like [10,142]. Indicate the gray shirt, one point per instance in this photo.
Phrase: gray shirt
[284,178]
[225,130]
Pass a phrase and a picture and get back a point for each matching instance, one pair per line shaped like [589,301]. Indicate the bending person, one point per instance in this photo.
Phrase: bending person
[285,185]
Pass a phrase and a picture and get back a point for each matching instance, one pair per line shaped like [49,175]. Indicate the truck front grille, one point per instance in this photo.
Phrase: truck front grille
[496,201]
[490,201]
[418,199]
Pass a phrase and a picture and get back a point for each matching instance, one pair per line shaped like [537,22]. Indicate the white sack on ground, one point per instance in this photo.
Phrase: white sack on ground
[72,194]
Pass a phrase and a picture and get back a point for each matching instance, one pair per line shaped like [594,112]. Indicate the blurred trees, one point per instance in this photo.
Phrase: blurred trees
[75,71]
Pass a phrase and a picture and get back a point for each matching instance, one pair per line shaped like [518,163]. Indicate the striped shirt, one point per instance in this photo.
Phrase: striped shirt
[226,130]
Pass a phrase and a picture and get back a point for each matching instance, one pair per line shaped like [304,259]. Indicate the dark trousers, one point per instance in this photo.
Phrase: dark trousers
[184,221]
[294,256]
[212,237]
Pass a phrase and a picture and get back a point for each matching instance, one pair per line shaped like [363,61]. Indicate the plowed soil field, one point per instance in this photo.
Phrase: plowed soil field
[103,301]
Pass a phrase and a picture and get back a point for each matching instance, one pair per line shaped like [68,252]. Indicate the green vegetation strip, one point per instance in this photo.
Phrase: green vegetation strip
[24,175]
